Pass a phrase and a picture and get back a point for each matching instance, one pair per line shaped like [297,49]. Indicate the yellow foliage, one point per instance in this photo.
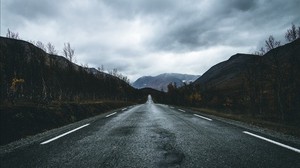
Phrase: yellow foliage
[16,82]
[195,97]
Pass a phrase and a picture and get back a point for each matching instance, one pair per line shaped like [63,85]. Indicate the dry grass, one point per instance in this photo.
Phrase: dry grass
[272,125]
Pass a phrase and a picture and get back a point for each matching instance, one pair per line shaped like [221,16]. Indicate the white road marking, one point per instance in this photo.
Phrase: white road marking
[110,114]
[274,142]
[181,110]
[55,138]
[171,107]
[203,117]
[124,109]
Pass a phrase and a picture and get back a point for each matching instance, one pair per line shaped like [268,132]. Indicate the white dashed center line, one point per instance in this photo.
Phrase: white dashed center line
[203,117]
[55,138]
[110,114]
[181,110]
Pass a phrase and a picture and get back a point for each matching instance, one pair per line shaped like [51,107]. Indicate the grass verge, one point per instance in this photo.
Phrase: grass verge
[271,125]
[27,119]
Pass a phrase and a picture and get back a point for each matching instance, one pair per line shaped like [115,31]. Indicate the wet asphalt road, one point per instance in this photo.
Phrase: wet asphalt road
[153,135]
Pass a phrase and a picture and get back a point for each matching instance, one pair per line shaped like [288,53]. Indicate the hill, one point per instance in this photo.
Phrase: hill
[160,82]
[30,74]
[265,85]
[227,75]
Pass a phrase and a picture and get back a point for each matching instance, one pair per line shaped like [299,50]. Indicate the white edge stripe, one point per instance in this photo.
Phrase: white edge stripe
[203,117]
[274,142]
[111,114]
[55,138]
[181,110]
[124,109]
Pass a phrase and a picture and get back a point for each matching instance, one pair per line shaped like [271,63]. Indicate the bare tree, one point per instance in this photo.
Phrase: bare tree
[86,65]
[68,52]
[12,35]
[101,69]
[291,34]
[260,52]
[115,72]
[51,48]
[40,45]
[271,43]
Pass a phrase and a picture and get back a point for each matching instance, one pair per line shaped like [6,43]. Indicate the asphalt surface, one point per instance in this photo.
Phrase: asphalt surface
[153,135]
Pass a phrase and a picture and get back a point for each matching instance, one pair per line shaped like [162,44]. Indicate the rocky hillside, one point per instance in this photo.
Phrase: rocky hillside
[161,81]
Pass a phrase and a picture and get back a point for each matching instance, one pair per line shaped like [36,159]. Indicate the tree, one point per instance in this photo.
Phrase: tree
[270,43]
[40,45]
[16,88]
[261,52]
[68,52]
[101,69]
[292,34]
[51,49]
[12,35]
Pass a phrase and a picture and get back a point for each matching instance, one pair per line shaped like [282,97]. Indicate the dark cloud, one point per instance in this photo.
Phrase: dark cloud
[147,37]
[225,24]
[135,8]
[33,9]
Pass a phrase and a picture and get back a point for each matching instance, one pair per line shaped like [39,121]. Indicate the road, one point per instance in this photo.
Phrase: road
[154,135]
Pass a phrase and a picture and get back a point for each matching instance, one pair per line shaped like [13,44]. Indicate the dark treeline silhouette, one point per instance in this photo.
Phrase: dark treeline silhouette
[28,73]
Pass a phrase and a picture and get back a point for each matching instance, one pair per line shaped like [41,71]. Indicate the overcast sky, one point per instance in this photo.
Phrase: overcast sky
[149,37]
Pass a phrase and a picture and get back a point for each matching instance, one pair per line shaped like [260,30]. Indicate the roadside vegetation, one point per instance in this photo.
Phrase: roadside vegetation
[26,119]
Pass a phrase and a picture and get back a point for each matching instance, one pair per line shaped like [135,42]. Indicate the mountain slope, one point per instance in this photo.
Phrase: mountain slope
[30,74]
[232,73]
[265,85]
[226,74]
[161,81]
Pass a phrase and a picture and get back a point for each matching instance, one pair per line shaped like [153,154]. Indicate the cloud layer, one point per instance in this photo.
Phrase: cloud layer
[142,37]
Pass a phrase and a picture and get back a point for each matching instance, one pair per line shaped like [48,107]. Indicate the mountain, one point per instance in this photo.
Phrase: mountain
[265,85]
[228,74]
[161,81]
[30,74]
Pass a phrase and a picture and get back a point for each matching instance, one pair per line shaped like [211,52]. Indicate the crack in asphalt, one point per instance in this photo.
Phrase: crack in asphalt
[166,142]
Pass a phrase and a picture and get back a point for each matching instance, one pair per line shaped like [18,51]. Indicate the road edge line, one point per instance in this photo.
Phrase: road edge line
[272,141]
